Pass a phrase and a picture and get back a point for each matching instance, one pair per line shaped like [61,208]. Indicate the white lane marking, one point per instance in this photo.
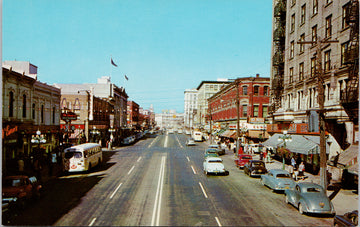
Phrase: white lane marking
[139,159]
[92,222]
[193,169]
[153,142]
[166,141]
[179,142]
[188,158]
[218,222]
[157,205]
[203,190]
[112,195]
[132,168]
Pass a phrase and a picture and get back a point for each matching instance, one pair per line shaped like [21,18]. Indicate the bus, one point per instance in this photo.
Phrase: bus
[197,136]
[82,157]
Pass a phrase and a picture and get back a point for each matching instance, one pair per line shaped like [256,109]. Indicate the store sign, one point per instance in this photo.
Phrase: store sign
[7,131]
[69,116]
[256,120]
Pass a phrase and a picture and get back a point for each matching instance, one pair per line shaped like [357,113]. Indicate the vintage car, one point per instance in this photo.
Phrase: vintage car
[20,188]
[348,219]
[213,165]
[221,151]
[211,152]
[190,142]
[278,179]
[242,160]
[255,168]
[309,198]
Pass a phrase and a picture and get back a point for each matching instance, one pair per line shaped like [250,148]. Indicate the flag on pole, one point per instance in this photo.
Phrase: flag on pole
[126,77]
[113,63]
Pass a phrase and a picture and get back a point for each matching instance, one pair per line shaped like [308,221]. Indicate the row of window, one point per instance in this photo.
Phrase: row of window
[256,90]
[244,111]
[24,108]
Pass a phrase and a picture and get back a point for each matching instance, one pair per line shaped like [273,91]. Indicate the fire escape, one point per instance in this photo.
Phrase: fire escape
[350,95]
[278,57]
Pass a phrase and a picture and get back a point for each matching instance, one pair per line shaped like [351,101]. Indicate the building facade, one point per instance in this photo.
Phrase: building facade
[31,110]
[169,119]
[190,106]
[133,115]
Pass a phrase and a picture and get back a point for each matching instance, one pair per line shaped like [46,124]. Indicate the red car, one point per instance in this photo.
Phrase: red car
[20,188]
[242,160]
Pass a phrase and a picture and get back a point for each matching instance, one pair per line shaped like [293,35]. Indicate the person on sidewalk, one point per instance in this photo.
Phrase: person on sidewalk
[301,169]
[293,162]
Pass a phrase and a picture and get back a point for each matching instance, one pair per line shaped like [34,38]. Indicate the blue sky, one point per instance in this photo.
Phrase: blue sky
[163,46]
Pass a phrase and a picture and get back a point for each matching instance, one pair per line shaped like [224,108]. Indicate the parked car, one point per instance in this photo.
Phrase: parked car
[190,142]
[213,165]
[255,168]
[348,219]
[309,198]
[211,152]
[221,151]
[242,160]
[278,179]
[21,189]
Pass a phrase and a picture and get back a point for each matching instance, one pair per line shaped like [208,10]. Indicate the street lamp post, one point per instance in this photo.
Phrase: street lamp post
[94,132]
[38,139]
[284,138]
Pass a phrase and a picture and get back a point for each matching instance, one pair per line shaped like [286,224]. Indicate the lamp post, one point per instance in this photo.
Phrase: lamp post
[38,139]
[284,138]
[94,132]
[111,130]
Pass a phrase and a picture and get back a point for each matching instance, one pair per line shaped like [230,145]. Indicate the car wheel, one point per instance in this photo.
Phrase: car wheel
[301,209]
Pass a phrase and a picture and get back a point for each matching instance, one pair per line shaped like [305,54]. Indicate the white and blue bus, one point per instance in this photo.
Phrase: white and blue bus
[82,157]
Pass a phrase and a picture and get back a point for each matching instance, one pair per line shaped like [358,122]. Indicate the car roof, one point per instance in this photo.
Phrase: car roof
[211,150]
[256,161]
[214,158]
[245,155]
[309,185]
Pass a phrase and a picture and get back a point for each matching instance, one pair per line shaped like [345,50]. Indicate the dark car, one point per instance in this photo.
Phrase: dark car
[348,219]
[20,188]
[255,168]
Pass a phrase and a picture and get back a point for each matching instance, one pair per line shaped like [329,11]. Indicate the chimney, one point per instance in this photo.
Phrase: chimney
[257,75]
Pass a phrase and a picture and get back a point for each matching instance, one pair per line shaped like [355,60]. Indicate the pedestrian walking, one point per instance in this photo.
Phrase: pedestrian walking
[261,155]
[268,156]
[301,169]
[293,162]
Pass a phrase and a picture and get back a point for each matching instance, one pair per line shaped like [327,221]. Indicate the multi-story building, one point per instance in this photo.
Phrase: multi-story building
[190,106]
[206,89]
[30,116]
[133,115]
[316,42]
[169,119]
[245,100]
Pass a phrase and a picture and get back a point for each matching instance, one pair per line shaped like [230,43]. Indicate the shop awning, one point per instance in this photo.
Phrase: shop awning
[349,158]
[228,133]
[301,144]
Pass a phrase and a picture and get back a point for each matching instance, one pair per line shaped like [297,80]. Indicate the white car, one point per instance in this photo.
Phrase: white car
[190,142]
[214,165]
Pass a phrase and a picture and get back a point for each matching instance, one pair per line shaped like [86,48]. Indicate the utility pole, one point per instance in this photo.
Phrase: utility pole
[319,72]
[238,116]
[211,139]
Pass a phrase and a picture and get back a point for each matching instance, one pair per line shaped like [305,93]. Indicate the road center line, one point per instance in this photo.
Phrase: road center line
[218,222]
[152,142]
[203,190]
[132,168]
[92,222]
[157,205]
[112,195]
[166,141]
[139,159]
[179,142]
[193,169]
[188,158]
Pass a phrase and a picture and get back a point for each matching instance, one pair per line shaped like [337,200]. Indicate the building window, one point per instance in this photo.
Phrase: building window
[315,7]
[301,71]
[302,46]
[77,104]
[24,107]
[292,23]
[303,14]
[266,90]
[11,104]
[314,35]
[328,27]
[33,111]
[256,111]
[244,111]
[313,66]
[245,90]
[265,111]
[345,14]
[344,48]
[53,115]
[292,50]
[327,61]
[42,113]
[291,74]
[256,90]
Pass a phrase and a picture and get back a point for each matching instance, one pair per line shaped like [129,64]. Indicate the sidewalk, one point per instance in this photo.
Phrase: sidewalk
[344,201]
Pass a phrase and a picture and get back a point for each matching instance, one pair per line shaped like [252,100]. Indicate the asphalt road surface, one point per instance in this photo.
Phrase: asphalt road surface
[159,181]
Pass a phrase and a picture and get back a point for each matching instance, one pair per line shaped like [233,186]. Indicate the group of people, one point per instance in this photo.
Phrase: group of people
[296,170]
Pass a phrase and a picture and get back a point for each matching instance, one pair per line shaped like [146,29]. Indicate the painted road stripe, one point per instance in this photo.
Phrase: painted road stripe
[157,206]
[92,222]
[166,141]
[112,195]
[132,168]
[193,169]
[188,158]
[139,159]
[203,190]
[218,222]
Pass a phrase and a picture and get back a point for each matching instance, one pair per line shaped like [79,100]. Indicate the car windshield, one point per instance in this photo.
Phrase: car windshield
[283,175]
[258,164]
[313,189]
[12,183]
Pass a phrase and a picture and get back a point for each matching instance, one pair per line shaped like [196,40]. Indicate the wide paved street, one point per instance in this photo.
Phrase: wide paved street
[160,181]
